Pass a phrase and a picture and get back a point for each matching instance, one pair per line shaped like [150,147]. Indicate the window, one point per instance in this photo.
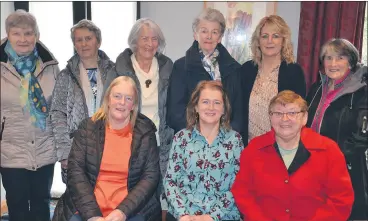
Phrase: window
[115,25]
[365,45]
[54,21]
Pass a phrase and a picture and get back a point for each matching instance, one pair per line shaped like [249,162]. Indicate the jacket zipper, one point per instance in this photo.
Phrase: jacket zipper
[2,128]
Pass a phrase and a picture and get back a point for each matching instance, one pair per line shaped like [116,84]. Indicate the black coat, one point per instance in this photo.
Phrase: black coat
[291,77]
[342,122]
[84,164]
[188,71]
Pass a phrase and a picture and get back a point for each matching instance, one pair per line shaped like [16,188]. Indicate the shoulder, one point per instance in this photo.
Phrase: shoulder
[144,125]
[291,69]
[180,62]
[249,67]
[314,140]
[183,134]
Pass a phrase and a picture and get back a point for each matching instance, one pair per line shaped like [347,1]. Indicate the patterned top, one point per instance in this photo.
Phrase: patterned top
[264,89]
[199,176]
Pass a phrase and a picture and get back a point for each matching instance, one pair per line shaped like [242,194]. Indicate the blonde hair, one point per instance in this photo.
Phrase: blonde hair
[287,53]
[288,97]
[102,112]
[191,112]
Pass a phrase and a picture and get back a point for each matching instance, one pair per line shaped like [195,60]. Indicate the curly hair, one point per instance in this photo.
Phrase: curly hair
[276,21]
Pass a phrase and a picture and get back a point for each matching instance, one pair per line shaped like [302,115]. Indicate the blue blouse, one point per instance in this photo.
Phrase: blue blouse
[199,176]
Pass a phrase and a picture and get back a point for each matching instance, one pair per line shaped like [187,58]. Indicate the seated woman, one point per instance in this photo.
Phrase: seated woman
[336,108]
[113,169]
[291,172]
[204,159]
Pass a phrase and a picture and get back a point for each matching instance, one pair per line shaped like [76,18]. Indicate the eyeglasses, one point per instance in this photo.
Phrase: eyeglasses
[290,115]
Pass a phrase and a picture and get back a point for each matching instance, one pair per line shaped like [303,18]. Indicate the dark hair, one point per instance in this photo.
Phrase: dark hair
[342,47]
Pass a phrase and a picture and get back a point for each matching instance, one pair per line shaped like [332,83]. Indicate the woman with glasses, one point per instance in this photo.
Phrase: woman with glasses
[292,172]
[113,168]
[338,104]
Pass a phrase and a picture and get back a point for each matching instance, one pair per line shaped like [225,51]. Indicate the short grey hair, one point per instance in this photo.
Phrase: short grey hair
[210,14]
[21,19]
[135,33]
[90,26]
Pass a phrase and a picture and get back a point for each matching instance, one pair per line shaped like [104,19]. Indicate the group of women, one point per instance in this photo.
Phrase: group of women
[203,138]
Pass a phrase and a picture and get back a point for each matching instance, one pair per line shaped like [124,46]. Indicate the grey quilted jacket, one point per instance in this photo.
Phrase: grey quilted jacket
[68,107]
[124,67]
[23,145]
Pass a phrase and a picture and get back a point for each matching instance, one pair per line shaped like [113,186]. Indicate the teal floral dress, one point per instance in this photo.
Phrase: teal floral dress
[199,176]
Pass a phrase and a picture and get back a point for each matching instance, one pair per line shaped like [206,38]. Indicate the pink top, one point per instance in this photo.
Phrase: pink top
[326,99]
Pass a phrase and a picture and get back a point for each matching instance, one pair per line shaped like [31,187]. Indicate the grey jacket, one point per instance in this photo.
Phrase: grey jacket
[124,67]
[23,145]
[68,107]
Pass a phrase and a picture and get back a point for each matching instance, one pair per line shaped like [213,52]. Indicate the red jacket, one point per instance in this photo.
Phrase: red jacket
[316,187]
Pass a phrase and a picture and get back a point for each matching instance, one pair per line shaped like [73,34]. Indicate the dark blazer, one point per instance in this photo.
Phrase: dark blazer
[291,77]
[84,164]
[188,71]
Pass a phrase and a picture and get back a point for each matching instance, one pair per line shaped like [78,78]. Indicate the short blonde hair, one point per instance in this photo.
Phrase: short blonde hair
[287,53]
[191,112]
[288,97]
[102,112]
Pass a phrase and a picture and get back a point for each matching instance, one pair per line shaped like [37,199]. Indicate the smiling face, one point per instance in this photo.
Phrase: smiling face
[147,43]
[210,107]
[336,66]
[270,41]
[22,40]
[287,126]
[121,102]
[208,35]
[86,44]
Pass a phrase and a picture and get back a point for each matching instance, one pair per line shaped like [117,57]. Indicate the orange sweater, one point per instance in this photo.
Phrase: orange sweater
[111,186]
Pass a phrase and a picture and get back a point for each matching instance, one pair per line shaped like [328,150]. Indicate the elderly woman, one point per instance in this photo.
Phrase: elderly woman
[204,160]
[336,109]
[28,153]
[144,61]
[206,59]
[271,70]
[292,172]
[79,87]
[113,168]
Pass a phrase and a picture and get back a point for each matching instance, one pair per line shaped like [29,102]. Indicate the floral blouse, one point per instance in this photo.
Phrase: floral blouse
[199,176]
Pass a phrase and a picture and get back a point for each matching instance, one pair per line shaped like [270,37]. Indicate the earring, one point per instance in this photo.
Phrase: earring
[197,117]
[222,119]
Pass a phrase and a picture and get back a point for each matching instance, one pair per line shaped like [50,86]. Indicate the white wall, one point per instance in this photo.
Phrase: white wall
[6,9]
[290,12]
[175,20]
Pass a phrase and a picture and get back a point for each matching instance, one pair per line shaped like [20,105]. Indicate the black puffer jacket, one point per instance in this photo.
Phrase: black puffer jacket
[83,168]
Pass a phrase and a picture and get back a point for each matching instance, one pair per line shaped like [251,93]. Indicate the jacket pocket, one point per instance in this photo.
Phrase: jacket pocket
[2,128]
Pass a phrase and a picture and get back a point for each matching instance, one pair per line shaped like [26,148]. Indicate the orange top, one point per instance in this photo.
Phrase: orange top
[111,186]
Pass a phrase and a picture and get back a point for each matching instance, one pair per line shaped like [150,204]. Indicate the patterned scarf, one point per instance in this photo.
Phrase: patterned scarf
[31,95]
[92,77]
[210,64]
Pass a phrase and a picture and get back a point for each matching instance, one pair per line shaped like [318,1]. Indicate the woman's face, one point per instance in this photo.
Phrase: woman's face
[288,120]
[22,40]
[270,41]
[208,35]
[86,44]
[336,66]
[210,107]
[121,102]
[147,43]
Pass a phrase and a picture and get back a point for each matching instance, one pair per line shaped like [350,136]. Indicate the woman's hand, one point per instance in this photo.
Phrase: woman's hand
[116,215]
[186,218]
[96,219]
[202,218]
